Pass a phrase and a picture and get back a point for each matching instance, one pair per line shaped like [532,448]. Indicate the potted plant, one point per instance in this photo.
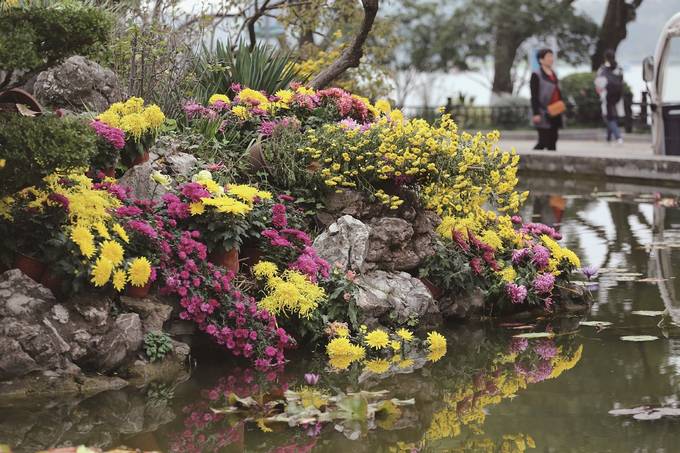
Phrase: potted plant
[37,216]
[110,142]
[140,124]
[221,216]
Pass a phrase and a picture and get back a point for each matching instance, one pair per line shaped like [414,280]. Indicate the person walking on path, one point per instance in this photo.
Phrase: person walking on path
[609,86]
[546,101]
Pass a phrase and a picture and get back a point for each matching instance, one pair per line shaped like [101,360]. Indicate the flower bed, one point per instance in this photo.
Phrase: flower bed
[92,232]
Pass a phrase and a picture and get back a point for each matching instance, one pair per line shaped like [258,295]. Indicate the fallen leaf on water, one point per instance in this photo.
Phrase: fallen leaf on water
[535,335]
[648,312]
[639,338]
[652,280]
[647,413]
[595,323]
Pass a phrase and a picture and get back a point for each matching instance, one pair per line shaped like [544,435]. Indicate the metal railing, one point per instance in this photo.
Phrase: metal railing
[508,117]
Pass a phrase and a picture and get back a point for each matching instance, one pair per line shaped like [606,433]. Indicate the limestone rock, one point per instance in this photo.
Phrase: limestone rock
[345,242]
[78,84]
[181,164]
[151,310]
[396,297]
[120,343]
[138,179]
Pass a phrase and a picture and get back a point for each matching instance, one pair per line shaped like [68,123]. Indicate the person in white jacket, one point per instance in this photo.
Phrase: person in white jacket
[609,86]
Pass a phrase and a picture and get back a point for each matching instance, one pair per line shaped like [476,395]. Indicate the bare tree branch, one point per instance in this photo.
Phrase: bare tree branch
[351,56]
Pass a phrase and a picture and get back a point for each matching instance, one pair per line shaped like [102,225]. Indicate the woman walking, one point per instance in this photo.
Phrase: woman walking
[609,86]
[546,101]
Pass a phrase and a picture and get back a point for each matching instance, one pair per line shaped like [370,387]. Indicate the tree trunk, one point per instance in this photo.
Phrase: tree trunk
[351,56]
[505,51]
[616,18]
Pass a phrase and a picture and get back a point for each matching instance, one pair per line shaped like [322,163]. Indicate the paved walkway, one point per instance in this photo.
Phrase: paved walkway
[586,148]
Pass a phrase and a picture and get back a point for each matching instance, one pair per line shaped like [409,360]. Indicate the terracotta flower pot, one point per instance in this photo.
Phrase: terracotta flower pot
[51,281]
[138,292]
[30,266]
[256,157]
[434,290]
[140,159]
[225,258]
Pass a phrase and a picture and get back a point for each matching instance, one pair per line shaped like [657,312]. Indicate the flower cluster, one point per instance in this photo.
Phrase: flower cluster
[453,173]
[288,292]
[380,349]
[133,118]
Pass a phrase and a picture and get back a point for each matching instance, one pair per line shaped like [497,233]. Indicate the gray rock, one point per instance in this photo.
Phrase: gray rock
[395,297]
[120,343]
[152,311]
[21,296]
[138,179]
[14,362]
[181,164]
[79,84]
[345,243]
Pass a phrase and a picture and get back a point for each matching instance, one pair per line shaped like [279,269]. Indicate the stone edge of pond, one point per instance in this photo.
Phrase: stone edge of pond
[653,168]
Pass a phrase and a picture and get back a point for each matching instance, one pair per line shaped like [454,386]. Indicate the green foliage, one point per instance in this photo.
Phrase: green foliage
[157,345]
[447,269]
[261,68]
[579,89]
[36,147]
[35,37]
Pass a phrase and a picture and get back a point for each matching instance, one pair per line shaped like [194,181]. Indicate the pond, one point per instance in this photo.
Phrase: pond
[490,393]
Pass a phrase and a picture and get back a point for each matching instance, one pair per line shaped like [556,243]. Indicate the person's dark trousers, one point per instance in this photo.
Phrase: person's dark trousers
[547,139]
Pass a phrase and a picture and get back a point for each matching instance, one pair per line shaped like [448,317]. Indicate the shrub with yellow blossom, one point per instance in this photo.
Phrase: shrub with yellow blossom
[140,123]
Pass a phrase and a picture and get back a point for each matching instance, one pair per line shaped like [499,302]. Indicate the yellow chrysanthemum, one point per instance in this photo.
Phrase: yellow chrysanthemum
[248,193]
[112,251]
[377,339]
[119,280]
[265,269]
[101,272]
[342,352]
[84,239]
[383,106]
[134,124]
[508,274]
[241,112]
[196,208]
[139,271]
[285,96]
[3,162]
[102,230]
[436,340]
[120,231]
[218,97]
[133,105]
[154,116]
[405,334]
[227,205]
[377,366]
[250,95]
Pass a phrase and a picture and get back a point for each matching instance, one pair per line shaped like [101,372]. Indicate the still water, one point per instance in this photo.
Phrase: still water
[490,393]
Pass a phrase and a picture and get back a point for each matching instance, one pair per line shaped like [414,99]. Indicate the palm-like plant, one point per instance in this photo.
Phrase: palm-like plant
[261,68]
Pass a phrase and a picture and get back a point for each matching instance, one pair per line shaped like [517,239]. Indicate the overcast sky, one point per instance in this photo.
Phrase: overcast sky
[644,32]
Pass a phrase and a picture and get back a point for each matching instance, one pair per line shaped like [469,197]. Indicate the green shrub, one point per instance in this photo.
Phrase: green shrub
[36,37]
[35,147]
[262,68]
[579,89]
[157,345]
